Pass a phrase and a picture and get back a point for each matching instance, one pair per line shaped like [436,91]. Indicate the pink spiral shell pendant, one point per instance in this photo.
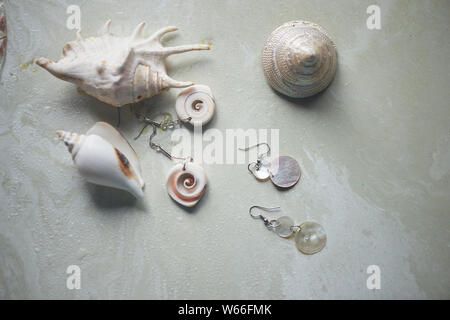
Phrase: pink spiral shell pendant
[118,70]
[186,183]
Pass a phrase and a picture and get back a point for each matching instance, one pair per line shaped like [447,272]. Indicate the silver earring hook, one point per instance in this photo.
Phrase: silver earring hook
[267,153]
[270,224]
[262,208]
[188,159]
[258,162]
[158,148]
[163,125]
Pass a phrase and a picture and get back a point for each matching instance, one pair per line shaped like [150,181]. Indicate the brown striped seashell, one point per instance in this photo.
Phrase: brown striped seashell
[299,59]
[197,103]
[118,70]
[2,36]
[186,183]
[104,157]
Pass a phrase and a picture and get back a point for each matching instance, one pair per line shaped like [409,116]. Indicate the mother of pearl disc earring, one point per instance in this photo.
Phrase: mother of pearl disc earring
[283,171]
[310,237]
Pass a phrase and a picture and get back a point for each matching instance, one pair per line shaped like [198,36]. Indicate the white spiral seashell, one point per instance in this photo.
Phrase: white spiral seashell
[118,70]
[104,157]
[196,102]
[186,183]
[299,59]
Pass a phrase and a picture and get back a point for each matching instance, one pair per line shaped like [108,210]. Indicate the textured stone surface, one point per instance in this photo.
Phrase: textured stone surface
[373,148]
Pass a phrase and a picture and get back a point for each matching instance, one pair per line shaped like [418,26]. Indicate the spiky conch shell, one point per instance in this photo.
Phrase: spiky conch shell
[299,59]
[104,157]
[186,183]
[118,70]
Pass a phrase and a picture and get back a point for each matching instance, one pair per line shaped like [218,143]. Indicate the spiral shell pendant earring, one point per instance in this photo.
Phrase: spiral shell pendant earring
[196,102]
[310,237]
[186,182]
[283,171]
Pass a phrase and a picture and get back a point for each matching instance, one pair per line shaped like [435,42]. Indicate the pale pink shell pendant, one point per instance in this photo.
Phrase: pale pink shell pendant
[118,70]
[186,183]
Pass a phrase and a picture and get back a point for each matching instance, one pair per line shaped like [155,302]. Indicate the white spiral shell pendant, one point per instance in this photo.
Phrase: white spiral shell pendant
[104,157]
[186,183]
[118,70]
[196,102]
[299,59]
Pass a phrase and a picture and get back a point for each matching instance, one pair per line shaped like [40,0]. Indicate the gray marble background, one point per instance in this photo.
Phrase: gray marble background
[374,149]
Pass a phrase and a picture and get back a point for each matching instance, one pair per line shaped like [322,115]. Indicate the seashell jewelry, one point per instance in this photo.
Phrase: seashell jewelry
[186,181]
[196,102]
[118,70]
[283,171]
[2,35]
[310,237]
[103,156]
[299,59]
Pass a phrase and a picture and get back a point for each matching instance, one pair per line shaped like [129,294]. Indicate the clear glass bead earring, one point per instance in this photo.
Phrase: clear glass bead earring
[186,182]
[310,237]
[283,171]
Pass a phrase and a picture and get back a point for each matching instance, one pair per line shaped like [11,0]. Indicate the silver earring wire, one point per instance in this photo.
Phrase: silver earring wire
[163,125]
[267,153]
[260,156]
[270,224]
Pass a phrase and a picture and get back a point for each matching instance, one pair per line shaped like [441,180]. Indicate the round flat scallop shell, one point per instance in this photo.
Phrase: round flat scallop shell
[284,172]
[311,238]
[196,102]
[186,186]
[284,227]
[299,59]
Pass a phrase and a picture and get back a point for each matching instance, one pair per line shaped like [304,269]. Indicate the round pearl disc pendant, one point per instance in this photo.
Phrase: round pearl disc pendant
[262,174]
[311,238]
[284,172]
[284,227]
